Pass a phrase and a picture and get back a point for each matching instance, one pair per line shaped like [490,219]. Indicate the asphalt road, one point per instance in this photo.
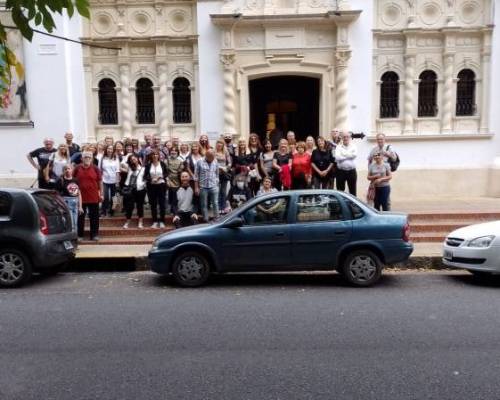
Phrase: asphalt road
[134,336]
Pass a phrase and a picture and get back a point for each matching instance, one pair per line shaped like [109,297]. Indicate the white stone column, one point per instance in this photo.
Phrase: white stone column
[449,61]
[125,100]
[92,98]
[229,94]
[341,82]
[408,95]
[163,101]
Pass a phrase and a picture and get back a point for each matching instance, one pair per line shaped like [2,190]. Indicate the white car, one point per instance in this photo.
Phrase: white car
[475,248]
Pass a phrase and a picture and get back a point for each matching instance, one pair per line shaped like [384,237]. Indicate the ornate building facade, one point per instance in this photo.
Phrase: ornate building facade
[145,77]
[424,72]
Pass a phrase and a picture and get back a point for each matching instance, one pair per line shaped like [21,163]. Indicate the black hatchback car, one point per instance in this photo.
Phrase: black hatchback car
[35,234]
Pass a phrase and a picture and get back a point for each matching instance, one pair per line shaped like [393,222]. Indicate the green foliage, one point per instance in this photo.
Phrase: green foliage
[27,14]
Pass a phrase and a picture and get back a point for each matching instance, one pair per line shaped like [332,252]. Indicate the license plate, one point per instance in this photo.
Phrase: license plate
[68,245]
[448,254]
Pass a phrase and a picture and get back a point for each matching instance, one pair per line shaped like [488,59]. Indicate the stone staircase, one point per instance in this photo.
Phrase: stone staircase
[425,227]
[435,226]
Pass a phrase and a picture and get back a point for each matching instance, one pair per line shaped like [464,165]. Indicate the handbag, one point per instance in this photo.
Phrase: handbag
[370,195]
[129,189]
[117,202]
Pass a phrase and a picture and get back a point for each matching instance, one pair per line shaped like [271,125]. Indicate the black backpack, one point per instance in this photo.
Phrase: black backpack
[394,164]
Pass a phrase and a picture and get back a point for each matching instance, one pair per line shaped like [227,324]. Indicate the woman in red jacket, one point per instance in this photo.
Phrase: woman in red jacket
[301,168]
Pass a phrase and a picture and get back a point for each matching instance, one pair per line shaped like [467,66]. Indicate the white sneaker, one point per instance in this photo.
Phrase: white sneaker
[140,226]
[162,225]
[125,225]
[155,225]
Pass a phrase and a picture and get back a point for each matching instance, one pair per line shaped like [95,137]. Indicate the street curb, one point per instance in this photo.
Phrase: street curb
[141,264]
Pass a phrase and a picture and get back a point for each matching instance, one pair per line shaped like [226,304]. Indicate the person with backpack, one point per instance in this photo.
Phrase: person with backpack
[387,152]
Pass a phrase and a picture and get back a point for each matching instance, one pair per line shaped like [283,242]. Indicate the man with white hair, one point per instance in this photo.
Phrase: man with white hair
[42,155]
[72,147]
[90,183]
[387,152]
[345,154]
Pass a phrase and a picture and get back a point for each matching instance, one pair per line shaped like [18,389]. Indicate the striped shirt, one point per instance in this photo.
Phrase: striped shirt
[207,174]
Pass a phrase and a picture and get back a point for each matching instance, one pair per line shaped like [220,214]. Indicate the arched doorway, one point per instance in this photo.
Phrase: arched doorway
[285,103]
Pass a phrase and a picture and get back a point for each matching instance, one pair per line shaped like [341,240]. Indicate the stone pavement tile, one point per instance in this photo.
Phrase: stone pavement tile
[112,251]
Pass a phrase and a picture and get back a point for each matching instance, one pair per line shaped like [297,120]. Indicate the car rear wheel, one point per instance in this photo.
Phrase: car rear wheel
[362,268]
[191,269]
[15,268]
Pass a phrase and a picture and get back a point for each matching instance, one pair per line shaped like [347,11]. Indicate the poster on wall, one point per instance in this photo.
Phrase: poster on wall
[15,104]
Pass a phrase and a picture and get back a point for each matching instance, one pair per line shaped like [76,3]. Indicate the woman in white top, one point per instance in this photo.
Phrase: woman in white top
[54,169]
[110,169]
[134,191]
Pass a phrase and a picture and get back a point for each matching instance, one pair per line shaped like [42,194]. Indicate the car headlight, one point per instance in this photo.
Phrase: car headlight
[155,245]
[481,242]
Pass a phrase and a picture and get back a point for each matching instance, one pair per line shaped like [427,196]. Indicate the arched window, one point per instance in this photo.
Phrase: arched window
[427,94]
[145,102]
[108,110]
[389,95]
[182,101]
[466,93]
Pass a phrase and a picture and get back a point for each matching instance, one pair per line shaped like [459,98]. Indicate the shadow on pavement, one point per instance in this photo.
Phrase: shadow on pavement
[492,281]
[278,280]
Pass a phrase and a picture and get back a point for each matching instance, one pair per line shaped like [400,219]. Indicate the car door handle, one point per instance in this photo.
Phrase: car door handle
[340,232]
[280,234]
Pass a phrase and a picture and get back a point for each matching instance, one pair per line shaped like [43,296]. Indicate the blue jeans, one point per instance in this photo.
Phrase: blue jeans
[72,203]
[381,200]
[223,193]
[209,196]
[109,192]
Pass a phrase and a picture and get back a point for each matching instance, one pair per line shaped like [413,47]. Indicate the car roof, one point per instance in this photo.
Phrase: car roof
[28,190]
[298,192]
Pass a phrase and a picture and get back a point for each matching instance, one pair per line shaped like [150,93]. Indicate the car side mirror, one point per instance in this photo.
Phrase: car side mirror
[234,223]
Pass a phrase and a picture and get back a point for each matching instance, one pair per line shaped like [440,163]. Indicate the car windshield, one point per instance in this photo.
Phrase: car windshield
[226,217]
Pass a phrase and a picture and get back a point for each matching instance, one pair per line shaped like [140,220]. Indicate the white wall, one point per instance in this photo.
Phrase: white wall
[55,95]
[211,77]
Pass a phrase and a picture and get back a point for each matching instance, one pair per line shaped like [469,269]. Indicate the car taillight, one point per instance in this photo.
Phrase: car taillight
[44,226]
[406,232]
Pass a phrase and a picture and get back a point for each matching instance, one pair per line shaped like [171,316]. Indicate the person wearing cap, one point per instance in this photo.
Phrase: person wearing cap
[90,183]
[379,175]
[42,155]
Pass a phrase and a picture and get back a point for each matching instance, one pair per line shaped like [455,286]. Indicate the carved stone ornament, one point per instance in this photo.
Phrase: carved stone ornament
[227,60]
[342,58]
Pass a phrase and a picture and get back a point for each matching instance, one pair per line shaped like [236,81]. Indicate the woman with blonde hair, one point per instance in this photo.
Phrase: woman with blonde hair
[224,161]
[310,145]
[54,169]
[204,144]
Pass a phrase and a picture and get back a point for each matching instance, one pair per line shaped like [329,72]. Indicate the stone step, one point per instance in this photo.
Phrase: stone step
[471,218]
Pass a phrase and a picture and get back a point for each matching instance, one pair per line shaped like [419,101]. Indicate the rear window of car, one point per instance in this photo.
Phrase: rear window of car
[356,211]
[5,204]
[50,204]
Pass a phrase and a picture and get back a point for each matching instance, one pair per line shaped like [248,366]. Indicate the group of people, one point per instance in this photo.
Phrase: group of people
[188,179]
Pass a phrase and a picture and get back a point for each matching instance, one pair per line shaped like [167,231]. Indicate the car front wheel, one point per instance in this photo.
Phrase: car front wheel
[191,269]
[362,268]
[15,268]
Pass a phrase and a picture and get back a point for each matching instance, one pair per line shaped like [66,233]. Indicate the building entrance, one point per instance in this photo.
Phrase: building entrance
[284,103]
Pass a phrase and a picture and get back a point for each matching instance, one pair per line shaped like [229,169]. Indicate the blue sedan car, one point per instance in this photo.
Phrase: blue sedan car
[306,230]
